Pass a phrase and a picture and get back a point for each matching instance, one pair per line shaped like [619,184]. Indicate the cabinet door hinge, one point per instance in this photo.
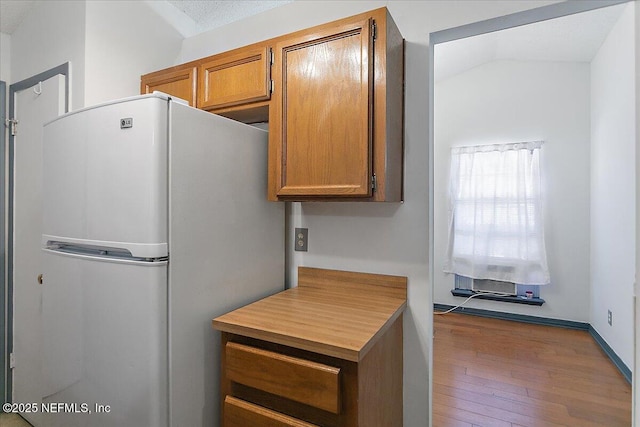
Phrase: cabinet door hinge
[374,30]
[374,183]
[12,124]
[273,85]
[273,59]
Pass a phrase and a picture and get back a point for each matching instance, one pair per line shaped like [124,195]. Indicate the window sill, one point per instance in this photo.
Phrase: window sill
[517,300]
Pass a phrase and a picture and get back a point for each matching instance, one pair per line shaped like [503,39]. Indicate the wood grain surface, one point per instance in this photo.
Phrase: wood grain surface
[325,92]
[335,90]
[180,81]
[294,378]
[489,372]
[324,315]
[240,76]
[239,413]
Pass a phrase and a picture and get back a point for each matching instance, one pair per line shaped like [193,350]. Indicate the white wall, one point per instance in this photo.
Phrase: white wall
[271,23]
[109,44]
[415,20]
[50,35]
[124,39]
[5,58]
[513,101]
[613,214]
[378,238]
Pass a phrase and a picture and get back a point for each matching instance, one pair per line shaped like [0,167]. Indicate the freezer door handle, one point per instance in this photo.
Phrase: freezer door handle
[136,250]
[131,261]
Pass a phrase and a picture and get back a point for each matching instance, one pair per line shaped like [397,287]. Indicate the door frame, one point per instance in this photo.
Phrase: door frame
[63,69]
[517,19]
[3,283]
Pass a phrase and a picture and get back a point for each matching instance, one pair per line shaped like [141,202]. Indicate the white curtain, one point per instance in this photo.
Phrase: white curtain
[495,220]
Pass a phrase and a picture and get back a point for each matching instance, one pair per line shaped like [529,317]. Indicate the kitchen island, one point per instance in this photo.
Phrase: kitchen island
[327,352]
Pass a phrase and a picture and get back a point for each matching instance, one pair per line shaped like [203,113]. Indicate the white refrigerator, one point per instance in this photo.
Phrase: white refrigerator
[155,221]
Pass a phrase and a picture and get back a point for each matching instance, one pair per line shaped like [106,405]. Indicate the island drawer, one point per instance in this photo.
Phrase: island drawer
[304,381]
[238,413]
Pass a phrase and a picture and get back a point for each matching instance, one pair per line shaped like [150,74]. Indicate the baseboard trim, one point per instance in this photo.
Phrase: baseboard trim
[515,317]
[569,324]
[622,367]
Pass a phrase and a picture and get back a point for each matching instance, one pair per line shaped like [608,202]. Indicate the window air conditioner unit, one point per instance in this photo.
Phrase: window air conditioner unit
[487,285]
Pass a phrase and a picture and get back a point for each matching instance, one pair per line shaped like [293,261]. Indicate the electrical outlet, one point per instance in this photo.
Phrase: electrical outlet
[610,318]
[302,239]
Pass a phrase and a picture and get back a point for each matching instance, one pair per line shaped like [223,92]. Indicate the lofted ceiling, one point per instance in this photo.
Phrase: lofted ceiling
[193,17]
[571,38]
[574,38]
[208,15]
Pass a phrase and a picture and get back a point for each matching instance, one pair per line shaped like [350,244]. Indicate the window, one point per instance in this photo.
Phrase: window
[495,221]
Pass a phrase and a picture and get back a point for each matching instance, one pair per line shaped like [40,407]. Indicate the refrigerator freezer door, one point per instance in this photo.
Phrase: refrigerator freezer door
[105,175]
[104,341]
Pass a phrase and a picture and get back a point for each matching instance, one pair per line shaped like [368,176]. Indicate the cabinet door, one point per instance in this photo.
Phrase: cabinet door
[177,81]
[321,118]
[238,77]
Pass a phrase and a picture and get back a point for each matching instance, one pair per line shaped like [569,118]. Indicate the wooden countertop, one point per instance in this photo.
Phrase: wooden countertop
[331,312]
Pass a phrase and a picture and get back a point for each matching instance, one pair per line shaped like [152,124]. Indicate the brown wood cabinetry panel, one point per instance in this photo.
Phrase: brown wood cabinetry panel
[334,134]
[238,77]
[326,304]
[355,283]
[380,381]
[256,112]
[362,305]
[238,413]
[323,101]
[336,114]
[297,379]
[178,81]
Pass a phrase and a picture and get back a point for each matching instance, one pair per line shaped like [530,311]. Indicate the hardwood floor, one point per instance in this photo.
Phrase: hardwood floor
[490,372]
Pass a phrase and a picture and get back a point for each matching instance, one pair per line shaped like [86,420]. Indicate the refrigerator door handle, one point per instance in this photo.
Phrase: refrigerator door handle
[135,250]
[156,262]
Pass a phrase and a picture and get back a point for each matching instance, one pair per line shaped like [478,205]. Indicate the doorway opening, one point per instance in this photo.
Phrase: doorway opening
[491,99]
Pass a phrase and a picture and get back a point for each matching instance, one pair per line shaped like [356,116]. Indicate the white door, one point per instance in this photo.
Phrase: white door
[33,107]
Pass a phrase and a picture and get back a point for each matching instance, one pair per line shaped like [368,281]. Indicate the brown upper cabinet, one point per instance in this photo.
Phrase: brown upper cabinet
[336,111]
[336,117]
[179,81]
[241,76]
[321,122]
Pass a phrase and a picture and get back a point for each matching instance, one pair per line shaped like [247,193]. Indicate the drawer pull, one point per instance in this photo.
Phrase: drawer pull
[238,413]
[300,380]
